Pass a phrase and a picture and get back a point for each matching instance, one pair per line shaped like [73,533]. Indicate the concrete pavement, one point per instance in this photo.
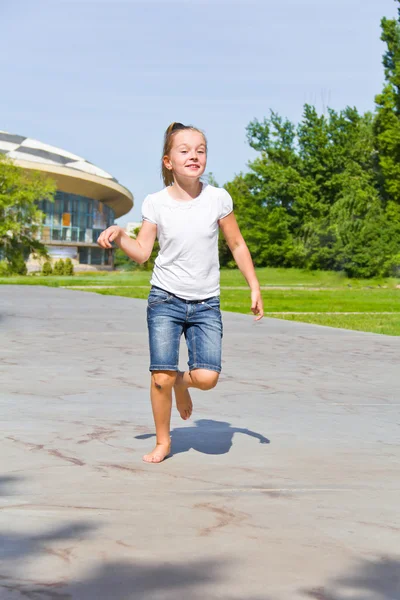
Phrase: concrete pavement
[285,484]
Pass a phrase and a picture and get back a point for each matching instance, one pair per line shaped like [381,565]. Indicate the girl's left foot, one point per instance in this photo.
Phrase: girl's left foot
[184,402]
[159,453]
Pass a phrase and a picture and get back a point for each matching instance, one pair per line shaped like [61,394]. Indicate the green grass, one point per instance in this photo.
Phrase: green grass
[385,324]
[82,279]
[229,277]
[334,293]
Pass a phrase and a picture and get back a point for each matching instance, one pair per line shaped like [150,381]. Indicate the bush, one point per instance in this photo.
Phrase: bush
[47,268]
[4,268]
[58,268]
[16,264]
[392,266]
[68,267]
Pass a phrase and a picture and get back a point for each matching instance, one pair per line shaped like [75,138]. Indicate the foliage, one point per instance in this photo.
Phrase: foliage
[4,270]
[58,268]
[68,267]
[123,261]
[16,262]
[20,218]
[325,193]
[387,121]
[47,268]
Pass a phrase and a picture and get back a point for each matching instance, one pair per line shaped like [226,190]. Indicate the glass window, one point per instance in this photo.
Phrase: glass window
[66,234]
[83,255]
[74,211]
[97,256]
[58,206]
[96,233]
[72,217]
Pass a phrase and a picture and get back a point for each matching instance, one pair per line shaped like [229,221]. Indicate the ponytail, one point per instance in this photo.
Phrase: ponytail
[172,129]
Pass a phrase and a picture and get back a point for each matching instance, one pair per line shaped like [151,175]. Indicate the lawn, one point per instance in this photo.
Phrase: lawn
[323,298]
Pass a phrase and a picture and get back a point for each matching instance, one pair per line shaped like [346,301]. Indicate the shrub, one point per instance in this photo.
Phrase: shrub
[58,268]
[68,267]
[47,268]
[16,264]
[392,266]
[4,268]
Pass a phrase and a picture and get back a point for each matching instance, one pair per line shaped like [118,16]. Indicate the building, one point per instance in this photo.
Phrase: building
[87,201]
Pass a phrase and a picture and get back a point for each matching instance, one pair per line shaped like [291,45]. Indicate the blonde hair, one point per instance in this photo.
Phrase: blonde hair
[172,130]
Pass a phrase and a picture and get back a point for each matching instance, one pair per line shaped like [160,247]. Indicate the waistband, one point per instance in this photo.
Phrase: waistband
[155,287]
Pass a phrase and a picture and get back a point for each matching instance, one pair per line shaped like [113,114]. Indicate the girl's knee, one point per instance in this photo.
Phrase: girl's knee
[163,379]
[204,379]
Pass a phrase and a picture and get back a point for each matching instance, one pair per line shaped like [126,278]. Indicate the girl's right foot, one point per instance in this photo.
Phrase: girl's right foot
[183,400]
[159,453]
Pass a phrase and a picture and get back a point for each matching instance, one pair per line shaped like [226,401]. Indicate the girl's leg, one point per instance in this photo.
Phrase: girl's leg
[201,379]
[162,383]
[203,333]
[165,318]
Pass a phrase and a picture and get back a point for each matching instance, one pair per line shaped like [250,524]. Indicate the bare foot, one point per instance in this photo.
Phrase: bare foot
[183,400]
[160,452]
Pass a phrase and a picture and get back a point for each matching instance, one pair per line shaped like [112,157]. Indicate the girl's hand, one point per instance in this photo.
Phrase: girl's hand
[109,235]
[257,307]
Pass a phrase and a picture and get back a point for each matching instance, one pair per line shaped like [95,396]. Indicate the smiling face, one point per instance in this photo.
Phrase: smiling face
[187,158]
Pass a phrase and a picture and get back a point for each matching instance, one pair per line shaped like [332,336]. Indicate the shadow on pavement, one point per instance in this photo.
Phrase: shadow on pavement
[372,580]
[130,581]
[7,482]
[16,545]
[207,436]
[134,579]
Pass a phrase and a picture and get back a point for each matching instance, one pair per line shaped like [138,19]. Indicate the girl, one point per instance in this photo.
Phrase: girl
[184,298]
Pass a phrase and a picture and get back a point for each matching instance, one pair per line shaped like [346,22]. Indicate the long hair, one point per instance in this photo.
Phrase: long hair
[167,175]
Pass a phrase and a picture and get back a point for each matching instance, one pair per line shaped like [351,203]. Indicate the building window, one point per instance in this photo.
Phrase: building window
[74,218]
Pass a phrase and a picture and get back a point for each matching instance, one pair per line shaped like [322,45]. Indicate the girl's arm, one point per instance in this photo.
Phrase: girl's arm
[138,249]
[242,257]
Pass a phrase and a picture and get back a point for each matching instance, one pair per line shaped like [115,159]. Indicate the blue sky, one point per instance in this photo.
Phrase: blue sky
[103,79]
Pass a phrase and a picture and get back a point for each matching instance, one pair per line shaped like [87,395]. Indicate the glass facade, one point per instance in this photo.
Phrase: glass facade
[74,218]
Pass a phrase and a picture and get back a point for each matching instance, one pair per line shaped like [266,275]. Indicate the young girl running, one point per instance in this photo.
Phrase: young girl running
[184,299]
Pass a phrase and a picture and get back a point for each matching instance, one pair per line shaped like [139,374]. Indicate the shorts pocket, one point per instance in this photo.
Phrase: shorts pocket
[157,296]
[213,303]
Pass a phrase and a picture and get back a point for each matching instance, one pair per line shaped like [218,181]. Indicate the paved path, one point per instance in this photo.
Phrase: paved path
[285,484]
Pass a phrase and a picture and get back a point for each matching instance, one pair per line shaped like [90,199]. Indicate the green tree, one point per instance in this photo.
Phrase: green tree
[47,268]
[124,262]
[58,268]
[300,204]
[387,121]
[20,218]
[68,267]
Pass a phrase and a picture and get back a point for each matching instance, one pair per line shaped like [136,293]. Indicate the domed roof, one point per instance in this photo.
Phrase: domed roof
[19,147]
[72,173]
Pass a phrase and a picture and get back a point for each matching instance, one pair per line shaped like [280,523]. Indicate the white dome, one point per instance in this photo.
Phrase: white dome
[19,147]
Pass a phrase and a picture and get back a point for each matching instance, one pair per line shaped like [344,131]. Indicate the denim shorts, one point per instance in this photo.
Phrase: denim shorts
[168,317]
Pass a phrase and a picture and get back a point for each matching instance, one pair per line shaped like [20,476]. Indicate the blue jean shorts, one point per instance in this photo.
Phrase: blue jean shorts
[200,321]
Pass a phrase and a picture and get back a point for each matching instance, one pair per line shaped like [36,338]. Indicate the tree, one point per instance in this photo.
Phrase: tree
[47,268]
[68,267]
[312,196]
[387,121]
[58,268]
[124,262]
[20,218]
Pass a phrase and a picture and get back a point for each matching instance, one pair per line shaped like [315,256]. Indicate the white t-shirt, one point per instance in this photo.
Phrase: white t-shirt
[187,230]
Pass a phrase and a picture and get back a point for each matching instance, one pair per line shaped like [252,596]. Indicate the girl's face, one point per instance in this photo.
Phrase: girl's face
[188,155]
